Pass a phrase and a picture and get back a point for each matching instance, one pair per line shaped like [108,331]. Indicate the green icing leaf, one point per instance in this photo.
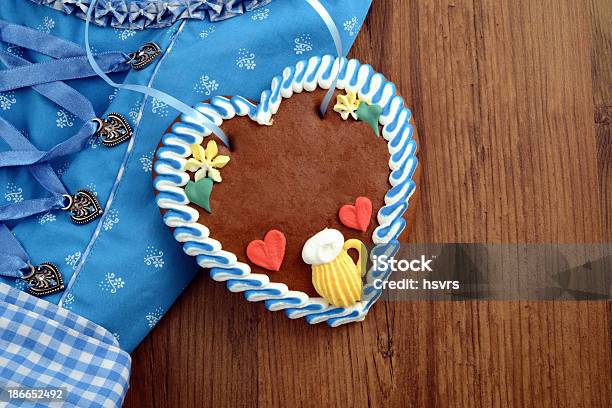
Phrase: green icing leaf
[369,114]
[199,192]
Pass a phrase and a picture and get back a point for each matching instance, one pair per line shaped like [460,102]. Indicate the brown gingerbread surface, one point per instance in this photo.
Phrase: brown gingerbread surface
[294,176]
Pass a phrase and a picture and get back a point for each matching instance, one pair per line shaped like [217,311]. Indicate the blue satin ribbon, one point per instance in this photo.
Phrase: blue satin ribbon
[38,41]
[60,70]
[333,30]
[14,261]
[27,157]
[147,90]
[60,93]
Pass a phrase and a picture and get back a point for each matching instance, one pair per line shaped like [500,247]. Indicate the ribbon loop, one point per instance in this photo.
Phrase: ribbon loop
[335,33]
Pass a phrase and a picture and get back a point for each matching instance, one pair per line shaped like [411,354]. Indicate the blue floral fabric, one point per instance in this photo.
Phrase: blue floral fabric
[125,270]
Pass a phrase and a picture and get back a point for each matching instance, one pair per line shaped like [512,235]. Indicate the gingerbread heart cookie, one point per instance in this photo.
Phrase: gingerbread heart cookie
[315,189]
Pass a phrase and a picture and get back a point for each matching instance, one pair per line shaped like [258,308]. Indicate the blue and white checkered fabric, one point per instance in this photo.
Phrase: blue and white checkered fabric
[51,311]
[43,346]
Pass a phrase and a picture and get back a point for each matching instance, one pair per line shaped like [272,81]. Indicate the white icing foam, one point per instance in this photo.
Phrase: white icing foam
[323,247]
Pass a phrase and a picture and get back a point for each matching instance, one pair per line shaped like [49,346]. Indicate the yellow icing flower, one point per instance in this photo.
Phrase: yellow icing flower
[347,105]
[205,162]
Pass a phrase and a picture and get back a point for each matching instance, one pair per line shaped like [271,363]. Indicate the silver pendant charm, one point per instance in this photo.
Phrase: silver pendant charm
[113,130]
[83,206]
[44,279]
[144,56]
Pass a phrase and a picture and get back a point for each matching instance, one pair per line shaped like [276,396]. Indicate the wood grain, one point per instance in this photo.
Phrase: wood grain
[513,101]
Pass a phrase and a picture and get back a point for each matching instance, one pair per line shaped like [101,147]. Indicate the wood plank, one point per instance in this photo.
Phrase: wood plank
[601,55]
[512,101]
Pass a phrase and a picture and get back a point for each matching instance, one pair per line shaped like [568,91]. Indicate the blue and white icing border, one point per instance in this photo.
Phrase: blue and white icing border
[224,266]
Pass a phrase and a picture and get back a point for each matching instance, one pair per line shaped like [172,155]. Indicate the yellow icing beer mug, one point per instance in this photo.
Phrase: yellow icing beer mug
[335,276]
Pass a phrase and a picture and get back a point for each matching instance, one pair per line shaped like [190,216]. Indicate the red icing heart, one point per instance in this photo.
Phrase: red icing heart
[268,253]
[357,216]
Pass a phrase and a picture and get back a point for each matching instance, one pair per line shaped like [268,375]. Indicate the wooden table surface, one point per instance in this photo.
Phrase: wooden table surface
[513,102]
